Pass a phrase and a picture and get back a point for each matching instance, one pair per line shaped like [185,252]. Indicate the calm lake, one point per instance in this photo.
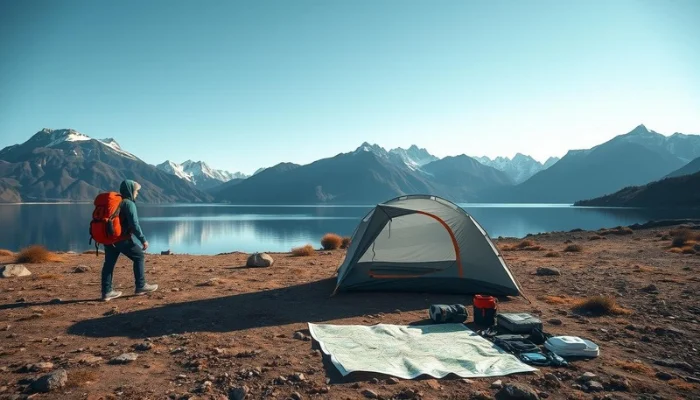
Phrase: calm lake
[212,229]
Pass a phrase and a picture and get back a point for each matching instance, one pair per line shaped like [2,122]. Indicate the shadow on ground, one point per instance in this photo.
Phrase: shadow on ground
[308,302]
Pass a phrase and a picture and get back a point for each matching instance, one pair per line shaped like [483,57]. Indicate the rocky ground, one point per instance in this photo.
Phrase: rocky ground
[218,330]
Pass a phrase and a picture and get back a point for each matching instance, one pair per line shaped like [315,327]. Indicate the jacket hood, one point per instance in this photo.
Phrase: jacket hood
[126,189]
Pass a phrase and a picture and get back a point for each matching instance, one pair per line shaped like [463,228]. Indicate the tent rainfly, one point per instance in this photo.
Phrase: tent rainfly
[423,243]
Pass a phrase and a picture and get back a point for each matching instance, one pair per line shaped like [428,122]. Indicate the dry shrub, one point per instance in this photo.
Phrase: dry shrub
[680,384]
[683,237]
[346,242]
[635,366]
[557,299]
[552,254]
[599,305]
[524,244]
[49,276]
[6,253]
[36,254]
[618,230]
[676,250]
[533,248]
[303,251]
[80,377]
[574,248]
[688,250]
[331,241]
[595,237]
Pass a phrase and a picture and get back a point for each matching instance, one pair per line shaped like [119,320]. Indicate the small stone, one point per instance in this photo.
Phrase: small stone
[39,367]
[393,381]
[514,391]
[81,269]
[299,377]
[145,346]
[300,336]
[49,382]
[479,395]
[14,271]
[587,376]
[296,396]
[370,394]
[547,271]
[552,379]
[497,384]
[55,301]
[259,260]
[238,393]
[555,321]
[664,376]
[124,358]
[594,386]
[650,289]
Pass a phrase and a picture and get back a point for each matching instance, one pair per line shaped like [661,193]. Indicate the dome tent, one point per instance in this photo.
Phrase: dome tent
[423,243]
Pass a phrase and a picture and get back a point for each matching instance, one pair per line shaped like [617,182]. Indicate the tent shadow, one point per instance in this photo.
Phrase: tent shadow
[307,302]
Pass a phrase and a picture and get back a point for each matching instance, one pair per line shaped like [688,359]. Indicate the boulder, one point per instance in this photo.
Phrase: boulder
[259,260]
[514,391]
[14,270]
[49,382]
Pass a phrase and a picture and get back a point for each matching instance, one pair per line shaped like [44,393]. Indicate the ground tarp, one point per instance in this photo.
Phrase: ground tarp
[410,351]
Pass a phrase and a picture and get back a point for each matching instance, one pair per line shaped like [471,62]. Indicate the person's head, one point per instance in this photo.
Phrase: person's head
[129,189]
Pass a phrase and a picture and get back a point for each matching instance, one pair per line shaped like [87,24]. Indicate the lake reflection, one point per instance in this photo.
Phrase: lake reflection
[211,229]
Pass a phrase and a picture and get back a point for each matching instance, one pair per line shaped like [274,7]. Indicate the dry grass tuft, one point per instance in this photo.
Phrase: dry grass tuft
[595,237]
[6,253]
[680,384]
[80,377]
[688,250]
[524,244]
[331,241]
[599,305]
[682,237]
[49,276]
[573,248]
[557,299]
[636,367]
[346,242]
[639,268]
[303,251]
[676,250]
[552,254]
[618,230]
[36,254]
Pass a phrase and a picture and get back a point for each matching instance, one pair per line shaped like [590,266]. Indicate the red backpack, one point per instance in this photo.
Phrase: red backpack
[106,227]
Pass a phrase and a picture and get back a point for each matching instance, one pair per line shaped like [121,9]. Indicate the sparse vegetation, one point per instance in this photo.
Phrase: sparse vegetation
[683,237]
[595,237]
[331,241]
[573,248]
[636,366]
[618,230]
[599,305]
[80,377]
[552,254]
[346,242]
[527,245]
[6,253]
[303,251]
[36,254]
[688,250]
[557,299]
[676,250]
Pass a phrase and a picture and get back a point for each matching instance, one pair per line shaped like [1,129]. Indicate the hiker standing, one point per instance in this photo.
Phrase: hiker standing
[129,190]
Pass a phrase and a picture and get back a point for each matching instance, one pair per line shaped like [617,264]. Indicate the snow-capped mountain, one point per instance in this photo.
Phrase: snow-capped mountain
[520,168]
[66,165]
[415,157]
[199,173]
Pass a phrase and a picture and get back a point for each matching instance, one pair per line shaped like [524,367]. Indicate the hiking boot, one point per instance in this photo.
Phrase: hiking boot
[146,289]
[111,295]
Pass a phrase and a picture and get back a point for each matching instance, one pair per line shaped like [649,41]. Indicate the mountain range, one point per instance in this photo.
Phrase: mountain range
[199,173]
[65,165]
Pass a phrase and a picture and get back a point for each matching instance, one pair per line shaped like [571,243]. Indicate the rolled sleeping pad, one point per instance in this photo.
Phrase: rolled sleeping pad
[443,313]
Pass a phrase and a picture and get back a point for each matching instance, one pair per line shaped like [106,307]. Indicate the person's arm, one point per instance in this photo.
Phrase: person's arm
[135,227]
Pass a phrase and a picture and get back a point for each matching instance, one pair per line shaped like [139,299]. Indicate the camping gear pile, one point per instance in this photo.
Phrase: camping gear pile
[520,334]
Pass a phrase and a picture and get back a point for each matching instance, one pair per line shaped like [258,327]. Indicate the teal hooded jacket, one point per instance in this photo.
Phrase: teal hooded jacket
[128,215]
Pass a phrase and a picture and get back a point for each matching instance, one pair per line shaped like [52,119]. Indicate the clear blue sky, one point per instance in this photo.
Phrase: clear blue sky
[242,85]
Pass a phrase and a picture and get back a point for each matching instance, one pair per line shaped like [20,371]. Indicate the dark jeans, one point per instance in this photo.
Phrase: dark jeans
[132,251]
